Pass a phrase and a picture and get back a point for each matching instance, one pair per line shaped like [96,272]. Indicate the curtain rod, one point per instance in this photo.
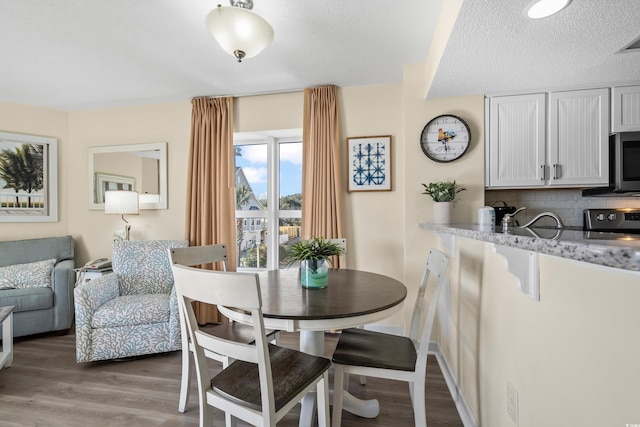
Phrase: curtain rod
[275,92]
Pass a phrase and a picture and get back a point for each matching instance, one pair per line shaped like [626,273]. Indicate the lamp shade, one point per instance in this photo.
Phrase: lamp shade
[149,198]
[239,31]
[121,202]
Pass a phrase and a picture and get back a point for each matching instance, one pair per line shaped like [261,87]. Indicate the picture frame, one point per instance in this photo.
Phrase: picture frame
[109,182]
[28,194]
[369,163]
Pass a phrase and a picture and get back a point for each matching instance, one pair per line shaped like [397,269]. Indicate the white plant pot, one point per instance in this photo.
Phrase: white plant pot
[442,212]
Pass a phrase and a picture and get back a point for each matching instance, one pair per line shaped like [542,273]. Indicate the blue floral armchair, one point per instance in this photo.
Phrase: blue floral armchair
[134,310]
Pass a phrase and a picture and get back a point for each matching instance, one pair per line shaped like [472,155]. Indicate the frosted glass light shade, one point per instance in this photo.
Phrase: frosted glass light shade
[239,30]
[121,202]
[543,8]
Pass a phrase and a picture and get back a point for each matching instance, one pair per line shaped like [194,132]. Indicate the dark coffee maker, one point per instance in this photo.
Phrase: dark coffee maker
[502,210]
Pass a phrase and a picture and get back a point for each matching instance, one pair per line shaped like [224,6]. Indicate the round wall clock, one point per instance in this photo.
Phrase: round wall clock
[445,138]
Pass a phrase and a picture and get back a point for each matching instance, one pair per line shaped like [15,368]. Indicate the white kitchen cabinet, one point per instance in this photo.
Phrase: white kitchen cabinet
[578,152]
[517,142]
[559,143]
[625,109]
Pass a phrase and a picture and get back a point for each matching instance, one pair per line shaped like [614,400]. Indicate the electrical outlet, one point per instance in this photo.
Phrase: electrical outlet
[512,402]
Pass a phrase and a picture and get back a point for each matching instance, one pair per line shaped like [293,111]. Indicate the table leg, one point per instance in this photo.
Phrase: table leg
[312,342]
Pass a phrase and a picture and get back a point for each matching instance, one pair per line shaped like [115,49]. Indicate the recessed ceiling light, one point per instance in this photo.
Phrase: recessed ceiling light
[544,8]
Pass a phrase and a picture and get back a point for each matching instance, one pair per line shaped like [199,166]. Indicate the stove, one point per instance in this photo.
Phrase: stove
[622,223]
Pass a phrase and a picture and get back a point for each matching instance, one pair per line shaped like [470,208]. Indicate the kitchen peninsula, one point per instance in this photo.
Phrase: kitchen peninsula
[549,316]
[617,250]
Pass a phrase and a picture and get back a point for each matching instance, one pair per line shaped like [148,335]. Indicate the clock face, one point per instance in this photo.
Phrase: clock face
[445,138]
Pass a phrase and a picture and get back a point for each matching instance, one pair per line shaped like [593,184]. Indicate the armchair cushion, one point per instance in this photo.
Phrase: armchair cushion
[131,310]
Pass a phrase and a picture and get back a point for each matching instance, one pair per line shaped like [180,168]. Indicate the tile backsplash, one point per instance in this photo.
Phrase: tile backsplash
[568,204]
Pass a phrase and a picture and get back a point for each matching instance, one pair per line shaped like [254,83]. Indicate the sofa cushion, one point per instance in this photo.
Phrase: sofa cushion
[27,299]
[130,310]
[30,275]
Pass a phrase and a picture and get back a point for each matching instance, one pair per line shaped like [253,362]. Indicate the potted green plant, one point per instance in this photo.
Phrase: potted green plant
[314,255]
[442,193]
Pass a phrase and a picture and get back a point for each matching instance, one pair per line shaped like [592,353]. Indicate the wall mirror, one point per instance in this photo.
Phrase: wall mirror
[137,167]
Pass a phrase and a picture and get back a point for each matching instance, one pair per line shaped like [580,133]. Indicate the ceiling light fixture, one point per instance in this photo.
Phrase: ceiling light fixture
[543,8]
[238,30]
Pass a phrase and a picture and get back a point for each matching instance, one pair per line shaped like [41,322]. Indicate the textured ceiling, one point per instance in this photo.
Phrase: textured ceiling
[75,54]
[495,48]
[72,54]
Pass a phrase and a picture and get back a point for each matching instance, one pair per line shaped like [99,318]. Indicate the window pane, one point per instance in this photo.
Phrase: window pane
[251,177]
[251,243]
[290,176]
[289,234]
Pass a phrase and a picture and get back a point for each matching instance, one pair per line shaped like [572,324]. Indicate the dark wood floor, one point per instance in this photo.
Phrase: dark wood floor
[46,387]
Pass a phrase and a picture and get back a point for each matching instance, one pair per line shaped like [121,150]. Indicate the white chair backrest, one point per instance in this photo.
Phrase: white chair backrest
[199,255]
[436,268]
[342,259]
[239,290]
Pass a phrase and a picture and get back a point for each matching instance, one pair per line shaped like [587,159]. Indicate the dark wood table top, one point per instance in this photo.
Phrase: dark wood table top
[350,293]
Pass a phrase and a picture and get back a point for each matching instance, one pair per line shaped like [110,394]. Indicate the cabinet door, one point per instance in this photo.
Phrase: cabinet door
[517,141]
[579,137]
[626,109]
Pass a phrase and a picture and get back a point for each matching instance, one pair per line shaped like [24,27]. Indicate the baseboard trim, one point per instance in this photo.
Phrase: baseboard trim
[467,417]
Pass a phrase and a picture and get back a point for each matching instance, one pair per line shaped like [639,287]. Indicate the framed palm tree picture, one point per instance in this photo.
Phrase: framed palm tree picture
[28,178]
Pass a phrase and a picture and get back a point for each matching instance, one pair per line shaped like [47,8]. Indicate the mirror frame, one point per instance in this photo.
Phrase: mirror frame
[162,146]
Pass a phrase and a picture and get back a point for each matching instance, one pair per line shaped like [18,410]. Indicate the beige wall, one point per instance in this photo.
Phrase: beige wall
[170,122]
[468,170]
[43,122]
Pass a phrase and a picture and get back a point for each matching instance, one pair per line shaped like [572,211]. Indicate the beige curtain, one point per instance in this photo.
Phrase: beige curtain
[210,185]
[321,167]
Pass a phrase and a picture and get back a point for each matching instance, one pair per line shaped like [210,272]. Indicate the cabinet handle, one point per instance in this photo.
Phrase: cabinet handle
[543,173]
[555,171]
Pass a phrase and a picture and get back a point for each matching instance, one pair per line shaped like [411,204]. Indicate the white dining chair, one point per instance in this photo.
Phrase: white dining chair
[342,243]
[376,354]
[264,381]
[203,255]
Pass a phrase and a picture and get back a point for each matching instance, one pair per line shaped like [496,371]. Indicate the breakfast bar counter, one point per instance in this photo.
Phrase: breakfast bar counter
[617,250]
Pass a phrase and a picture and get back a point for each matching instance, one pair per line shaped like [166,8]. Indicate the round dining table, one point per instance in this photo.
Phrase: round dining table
[352,298]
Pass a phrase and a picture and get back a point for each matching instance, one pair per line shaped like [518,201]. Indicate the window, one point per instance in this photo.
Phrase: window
[268,189]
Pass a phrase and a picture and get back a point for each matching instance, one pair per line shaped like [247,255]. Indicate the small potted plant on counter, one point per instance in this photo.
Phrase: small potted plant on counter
[314,255]
[443,193]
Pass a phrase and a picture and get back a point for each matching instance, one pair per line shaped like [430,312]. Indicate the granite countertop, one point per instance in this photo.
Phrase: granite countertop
[616,250]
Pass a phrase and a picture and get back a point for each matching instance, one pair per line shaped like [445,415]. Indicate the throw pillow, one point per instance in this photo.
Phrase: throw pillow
[30,275]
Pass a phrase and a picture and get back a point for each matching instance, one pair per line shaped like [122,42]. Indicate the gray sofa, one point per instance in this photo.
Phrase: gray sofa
[41,309]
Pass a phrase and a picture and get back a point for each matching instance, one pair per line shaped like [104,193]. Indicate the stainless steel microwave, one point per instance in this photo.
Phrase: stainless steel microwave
[624,166]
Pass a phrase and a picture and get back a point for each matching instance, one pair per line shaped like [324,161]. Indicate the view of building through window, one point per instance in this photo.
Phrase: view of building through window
[268,189]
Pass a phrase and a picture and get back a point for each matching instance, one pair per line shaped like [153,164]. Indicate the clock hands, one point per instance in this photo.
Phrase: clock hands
[445,137]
